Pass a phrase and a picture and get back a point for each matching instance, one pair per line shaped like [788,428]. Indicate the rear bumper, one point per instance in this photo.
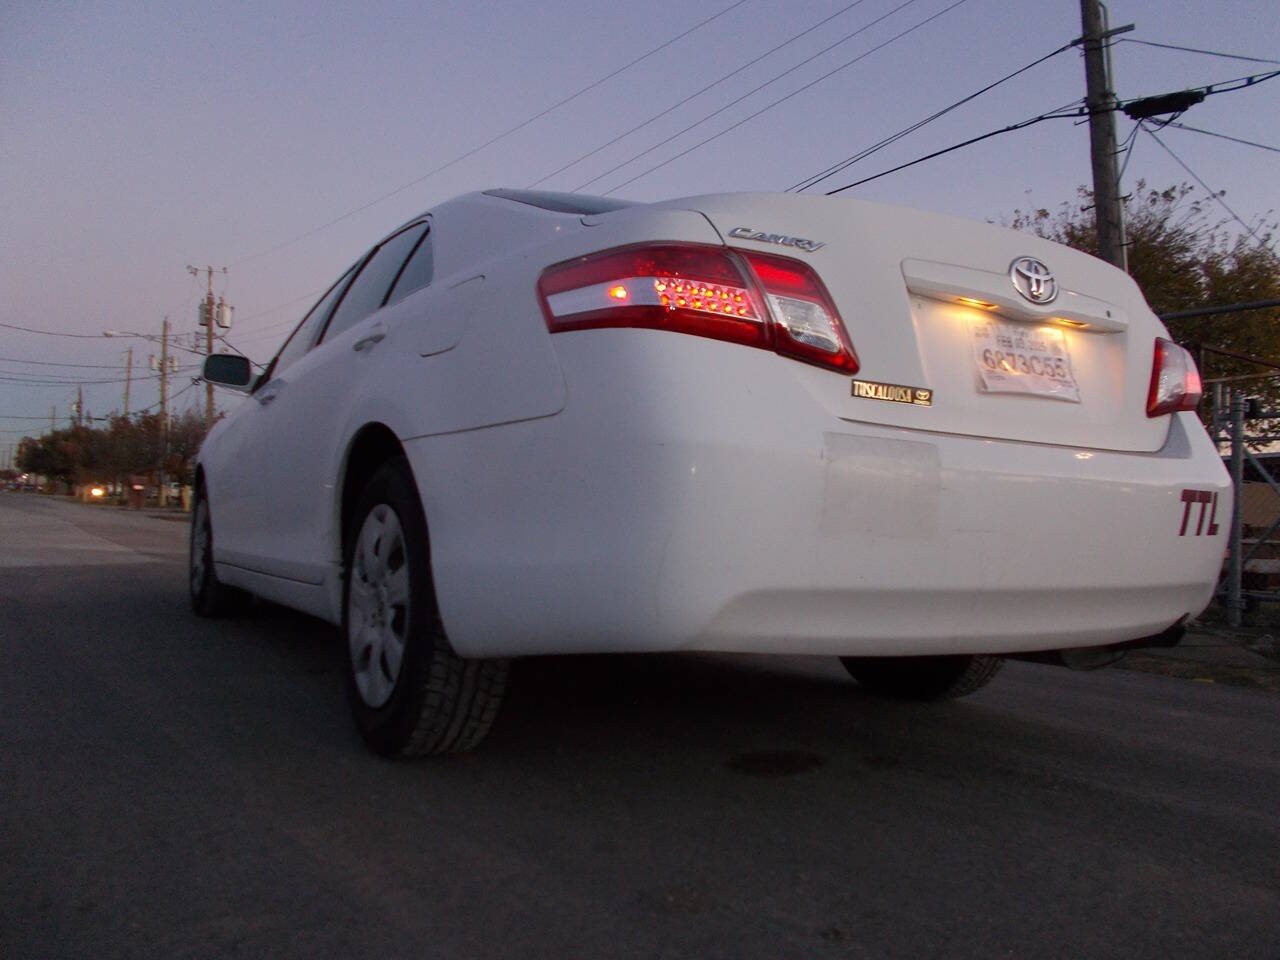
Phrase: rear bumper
[691,497]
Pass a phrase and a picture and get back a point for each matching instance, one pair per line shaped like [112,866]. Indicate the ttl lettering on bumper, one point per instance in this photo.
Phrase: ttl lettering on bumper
[1208,501]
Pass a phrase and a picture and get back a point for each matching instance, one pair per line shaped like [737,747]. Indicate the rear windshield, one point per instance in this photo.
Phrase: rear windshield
[579,203]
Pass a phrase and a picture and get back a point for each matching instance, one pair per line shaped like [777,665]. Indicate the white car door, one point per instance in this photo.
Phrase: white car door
[298,434]
[238,505]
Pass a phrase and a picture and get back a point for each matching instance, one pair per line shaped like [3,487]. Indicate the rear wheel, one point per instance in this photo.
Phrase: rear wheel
[410,693]
[923,678]
[210,597]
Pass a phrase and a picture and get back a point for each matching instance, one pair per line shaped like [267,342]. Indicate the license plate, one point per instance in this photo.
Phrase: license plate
[1023,358]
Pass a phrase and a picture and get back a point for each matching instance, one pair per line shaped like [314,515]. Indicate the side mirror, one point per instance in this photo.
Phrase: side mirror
[229,370]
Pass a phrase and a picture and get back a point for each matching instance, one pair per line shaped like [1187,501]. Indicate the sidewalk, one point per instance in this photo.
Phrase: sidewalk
[1215,653]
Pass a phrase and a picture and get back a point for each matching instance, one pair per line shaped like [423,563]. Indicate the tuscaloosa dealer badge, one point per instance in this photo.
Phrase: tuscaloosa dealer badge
[893,392]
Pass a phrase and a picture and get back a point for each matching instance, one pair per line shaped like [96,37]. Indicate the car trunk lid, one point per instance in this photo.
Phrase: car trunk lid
[946,341]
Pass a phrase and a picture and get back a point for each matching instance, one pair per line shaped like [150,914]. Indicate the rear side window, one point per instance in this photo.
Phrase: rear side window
[370,287]
[416,273]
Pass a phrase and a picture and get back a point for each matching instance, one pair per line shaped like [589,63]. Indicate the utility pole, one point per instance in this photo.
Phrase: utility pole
[1100,100]
[210,317]
[79,405]
[128,378]
[53,419]
[161,499]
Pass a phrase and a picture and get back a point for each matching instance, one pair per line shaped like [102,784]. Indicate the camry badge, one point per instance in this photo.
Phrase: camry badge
[1033,280]
[746,233]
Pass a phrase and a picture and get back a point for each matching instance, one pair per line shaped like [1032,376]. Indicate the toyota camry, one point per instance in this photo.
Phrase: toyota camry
[534,423]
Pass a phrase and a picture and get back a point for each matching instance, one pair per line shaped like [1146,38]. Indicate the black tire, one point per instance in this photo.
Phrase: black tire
[430,701]
[210,597]
[923,678]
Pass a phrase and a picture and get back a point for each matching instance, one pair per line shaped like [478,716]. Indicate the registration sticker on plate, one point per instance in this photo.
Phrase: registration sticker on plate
[1023,358]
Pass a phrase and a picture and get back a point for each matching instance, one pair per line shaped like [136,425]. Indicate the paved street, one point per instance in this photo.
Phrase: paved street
[171,787]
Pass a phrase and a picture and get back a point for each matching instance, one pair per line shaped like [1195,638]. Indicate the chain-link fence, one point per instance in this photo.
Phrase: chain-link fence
[1241,426]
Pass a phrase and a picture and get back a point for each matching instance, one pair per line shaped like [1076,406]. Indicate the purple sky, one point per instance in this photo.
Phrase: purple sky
[138,138]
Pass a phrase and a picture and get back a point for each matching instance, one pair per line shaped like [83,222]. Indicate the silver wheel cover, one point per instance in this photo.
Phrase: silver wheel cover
[378,605]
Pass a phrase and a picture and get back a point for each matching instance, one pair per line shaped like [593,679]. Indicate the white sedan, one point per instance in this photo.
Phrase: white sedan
[537,423]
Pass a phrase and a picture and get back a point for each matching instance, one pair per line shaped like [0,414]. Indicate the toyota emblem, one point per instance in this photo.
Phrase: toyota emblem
[1033,280]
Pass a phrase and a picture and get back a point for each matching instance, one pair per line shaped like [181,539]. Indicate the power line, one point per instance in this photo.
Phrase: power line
[754,90]
[753,61]
[8,376]
[53,333]
[972,140]
[170,398]
[1213,89]
[1210,53]
[1207,189]
[1223,136]
[1129,142]
[794,93]
[1225,86]
[49,363]
[280,306]
[492,140]
[817,178]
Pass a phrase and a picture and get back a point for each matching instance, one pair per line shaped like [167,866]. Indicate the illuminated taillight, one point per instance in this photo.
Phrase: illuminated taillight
[773,303]
[806,324]
[1175,381]
[685,288]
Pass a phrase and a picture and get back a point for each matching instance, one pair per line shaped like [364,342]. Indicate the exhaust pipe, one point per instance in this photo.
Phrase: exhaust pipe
[1094,658]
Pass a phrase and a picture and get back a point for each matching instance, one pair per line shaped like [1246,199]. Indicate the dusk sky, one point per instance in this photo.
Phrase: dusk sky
[138,138]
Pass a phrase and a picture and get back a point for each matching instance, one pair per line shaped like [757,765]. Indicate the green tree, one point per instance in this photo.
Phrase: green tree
[125,447]
[1181,259]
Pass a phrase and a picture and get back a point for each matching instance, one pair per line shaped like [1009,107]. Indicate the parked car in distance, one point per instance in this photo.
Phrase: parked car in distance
[533,423]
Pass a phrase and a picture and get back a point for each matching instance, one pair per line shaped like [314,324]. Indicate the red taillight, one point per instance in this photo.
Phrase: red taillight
[773,303]
[1175,381]
[805,320]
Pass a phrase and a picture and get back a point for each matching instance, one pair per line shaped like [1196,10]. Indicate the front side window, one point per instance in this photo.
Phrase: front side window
[304,335]
[370,287]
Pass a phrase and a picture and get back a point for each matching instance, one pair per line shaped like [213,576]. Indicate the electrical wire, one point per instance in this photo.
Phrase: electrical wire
[1207,189]
[754,90]
[1055,115]
[794,93]
[1213,89]
[1127,147]
[817,178]
[1223,136]
[492,140]
[53,333]
[753,61]
[50,363]
[1210,53]
[19,379]
[172,397]
[280,306]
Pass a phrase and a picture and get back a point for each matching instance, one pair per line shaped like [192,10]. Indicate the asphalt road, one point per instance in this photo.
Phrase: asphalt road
[171,787]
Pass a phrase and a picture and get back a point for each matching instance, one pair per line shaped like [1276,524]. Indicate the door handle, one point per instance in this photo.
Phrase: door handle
[376,335]
[268,393]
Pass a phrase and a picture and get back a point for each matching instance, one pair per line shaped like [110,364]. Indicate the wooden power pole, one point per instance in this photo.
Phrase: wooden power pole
[1100,100]
[210,317]
[162,494]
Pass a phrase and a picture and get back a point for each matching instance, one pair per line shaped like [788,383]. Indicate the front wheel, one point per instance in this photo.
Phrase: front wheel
[210,597]
[410,693]
[923,678]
